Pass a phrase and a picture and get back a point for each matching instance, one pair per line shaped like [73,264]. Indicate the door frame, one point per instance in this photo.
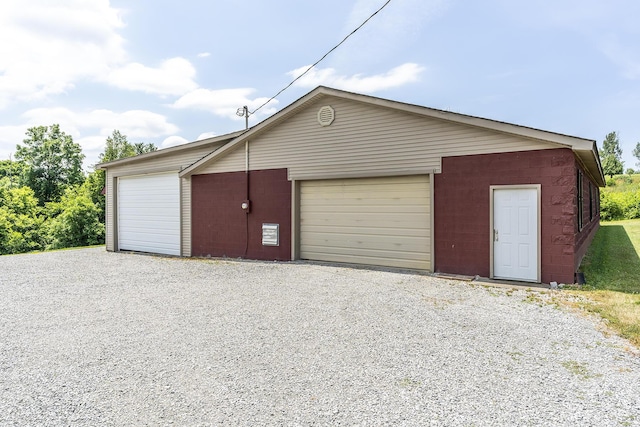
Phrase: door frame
[538,189]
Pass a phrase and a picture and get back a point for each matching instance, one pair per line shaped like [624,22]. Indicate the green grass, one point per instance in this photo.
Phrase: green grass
[613,260]
[612,271]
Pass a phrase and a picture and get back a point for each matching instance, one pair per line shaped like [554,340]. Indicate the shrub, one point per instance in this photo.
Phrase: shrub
[21,225]
[77,222]
[610,209]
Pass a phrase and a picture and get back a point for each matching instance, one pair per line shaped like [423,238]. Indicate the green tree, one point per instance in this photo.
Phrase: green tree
[54,162]
[116,147]
[141,147]
[636,153]
[612,163]
[75,220]
[15,172]
[94,185]
[21,225]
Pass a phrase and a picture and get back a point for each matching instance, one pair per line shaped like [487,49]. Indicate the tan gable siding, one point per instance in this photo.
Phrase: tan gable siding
[172,162]
[366,140]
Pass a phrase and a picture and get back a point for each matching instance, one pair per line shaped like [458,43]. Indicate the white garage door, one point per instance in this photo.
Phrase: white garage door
[375,221]
[149,213]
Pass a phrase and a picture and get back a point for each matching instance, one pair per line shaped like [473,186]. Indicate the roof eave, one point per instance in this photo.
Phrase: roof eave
[579,145]
[270,121]
[167,151]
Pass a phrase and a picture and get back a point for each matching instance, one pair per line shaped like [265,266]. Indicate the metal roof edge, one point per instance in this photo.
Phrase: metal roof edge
[169,150]
[268,122]
[574,142]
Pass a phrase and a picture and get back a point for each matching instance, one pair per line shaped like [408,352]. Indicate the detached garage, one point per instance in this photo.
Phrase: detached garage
[343,177]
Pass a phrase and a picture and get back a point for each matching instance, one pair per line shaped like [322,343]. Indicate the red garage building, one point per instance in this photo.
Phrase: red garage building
[344,177]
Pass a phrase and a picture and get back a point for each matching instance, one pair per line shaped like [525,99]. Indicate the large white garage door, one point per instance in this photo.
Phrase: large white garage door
[149,213]
[375,221]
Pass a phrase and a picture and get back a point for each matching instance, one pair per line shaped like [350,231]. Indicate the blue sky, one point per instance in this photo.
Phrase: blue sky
[169,72]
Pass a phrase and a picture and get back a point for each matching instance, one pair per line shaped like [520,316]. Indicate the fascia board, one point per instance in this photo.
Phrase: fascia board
[167,151]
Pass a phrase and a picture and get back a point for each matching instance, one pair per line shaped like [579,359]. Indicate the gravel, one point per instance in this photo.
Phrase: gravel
[91,338]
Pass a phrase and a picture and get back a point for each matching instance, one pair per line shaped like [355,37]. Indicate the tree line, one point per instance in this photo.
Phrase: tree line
[47,201]
[611,156]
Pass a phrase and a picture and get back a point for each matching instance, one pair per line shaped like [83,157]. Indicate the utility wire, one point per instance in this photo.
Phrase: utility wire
[319,60]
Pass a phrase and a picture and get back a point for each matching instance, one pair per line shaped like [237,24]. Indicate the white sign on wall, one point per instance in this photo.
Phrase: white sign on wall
[270,234]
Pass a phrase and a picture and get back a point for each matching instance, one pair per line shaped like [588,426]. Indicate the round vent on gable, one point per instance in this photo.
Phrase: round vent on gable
[326,115]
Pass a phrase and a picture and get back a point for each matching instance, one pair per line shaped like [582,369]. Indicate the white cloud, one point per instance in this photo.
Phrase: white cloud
[172,141]
[398,76]
[224,102]
[173,77]
[90,129]
[133,123]
[48,46]
[204,55]
[9,137]
[206,135]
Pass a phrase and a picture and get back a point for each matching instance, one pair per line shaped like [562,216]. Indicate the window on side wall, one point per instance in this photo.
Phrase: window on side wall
[580,199]
[590,202]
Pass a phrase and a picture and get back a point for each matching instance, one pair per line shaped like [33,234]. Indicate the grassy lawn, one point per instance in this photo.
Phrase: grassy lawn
[612,271]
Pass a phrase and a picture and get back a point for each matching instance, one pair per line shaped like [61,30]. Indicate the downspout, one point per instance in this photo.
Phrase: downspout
[246,172]
[246,205]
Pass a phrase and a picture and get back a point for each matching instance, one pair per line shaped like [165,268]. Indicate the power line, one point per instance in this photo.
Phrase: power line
[319,60]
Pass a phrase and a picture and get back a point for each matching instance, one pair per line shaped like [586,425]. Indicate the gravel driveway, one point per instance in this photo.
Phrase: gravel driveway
[95,338]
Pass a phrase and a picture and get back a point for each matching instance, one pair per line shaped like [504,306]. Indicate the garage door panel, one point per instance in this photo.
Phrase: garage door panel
[381,208]
[373,231]
[379,193]
[149,213]
[156,221]
[144,239]
[412,257]
[386,242]
[378,221]
[363,219]
[383,260]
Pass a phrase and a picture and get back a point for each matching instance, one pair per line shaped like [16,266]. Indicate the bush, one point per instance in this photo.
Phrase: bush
[76,221]
[610,209]
[21,225]
[619,205]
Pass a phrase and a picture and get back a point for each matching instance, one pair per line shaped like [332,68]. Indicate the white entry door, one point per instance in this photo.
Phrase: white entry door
[515,233]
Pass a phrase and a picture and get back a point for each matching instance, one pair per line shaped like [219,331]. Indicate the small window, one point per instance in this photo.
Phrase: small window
[580,199]
[590,202]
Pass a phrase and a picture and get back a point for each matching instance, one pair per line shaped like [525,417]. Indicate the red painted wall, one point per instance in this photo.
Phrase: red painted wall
[462,204]
[219,226]
[591,218]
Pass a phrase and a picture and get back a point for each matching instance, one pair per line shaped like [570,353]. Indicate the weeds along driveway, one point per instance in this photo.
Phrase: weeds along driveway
[96,338]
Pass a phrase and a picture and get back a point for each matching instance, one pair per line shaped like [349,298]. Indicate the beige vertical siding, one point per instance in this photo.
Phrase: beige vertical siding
[375,221]
[366,140]
[110,206]
[175,161]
